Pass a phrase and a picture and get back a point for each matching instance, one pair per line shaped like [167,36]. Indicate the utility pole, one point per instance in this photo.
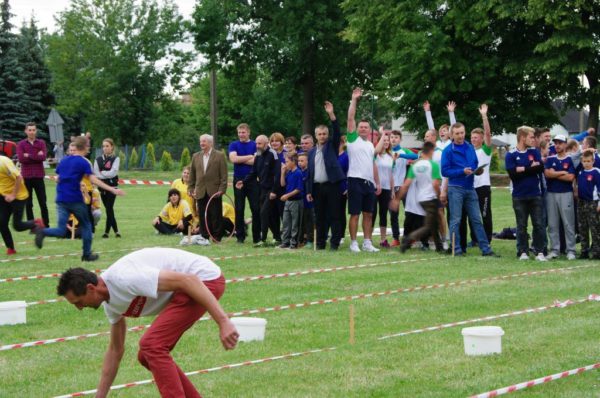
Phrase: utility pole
[213,106]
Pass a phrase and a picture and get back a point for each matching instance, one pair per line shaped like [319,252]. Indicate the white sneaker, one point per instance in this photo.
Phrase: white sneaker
[540,257]
[552,255]
[369,248]
[445,245]
[354,247]
[524,256]
[341,241]
[571,256]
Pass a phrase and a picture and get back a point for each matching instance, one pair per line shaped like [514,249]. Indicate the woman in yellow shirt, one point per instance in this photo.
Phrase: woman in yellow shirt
[13,196]
[181,184]
[175,216]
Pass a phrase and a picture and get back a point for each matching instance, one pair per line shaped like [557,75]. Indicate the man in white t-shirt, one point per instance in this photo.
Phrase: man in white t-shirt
[177,285]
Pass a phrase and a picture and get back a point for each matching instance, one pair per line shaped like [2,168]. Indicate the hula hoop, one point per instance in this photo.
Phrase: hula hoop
[206,217]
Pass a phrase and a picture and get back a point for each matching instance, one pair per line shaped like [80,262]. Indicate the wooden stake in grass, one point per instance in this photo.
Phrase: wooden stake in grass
[73,229]
[453,243]
[314,238]
[189,235]
[352,324]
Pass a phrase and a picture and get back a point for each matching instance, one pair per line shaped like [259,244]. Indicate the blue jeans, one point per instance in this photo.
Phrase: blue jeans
[457,198]
[80,211]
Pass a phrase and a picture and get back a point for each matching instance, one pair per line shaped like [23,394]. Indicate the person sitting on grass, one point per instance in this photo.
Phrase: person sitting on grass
[175,216]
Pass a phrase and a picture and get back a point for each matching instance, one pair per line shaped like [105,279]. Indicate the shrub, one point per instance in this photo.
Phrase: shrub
[185,158]
[150,157]
[166,161]
[134,158]
[495,162]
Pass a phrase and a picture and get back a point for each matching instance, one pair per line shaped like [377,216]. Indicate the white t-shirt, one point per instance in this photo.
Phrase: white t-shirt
[132,281]
[412,204]
[385,164]
[484,156]
[360,156]
[423,172]
[442,145]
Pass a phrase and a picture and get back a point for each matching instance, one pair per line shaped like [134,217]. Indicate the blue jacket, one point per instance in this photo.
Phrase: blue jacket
[454,163]
[330,157]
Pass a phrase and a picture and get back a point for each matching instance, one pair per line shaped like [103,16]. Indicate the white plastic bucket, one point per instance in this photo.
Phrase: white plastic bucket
[12,312]
[250,328]
[483,340]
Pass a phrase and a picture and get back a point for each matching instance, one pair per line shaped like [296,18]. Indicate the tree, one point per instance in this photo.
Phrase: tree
[105,63]
[185,158]
[150,157]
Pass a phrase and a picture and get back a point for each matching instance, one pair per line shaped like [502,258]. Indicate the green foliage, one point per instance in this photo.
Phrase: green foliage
[104,63]
[185,158]
[150,157]
[166,161]
[170,125]
[495,162]
[122,157]
[133,158]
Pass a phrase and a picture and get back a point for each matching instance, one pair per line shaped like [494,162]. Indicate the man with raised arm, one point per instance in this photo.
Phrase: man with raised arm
[363,180]
[177,285]
[444,140]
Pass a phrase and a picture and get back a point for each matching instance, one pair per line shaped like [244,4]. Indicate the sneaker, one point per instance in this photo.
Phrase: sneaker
[262,243]
[369,248]
[571,256]
[445,245]
[39,238]
[395,243]
[105,236]
[341,241]
[490,254]
[283,246]
[540,257]
[10,251]
[117,235]
[552,256]
[524,256]
[384,244]
[354,247]
[90,257]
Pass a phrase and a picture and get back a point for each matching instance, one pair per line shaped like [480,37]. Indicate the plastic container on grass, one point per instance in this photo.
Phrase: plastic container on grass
[250,329]
[13,312]
[483,340]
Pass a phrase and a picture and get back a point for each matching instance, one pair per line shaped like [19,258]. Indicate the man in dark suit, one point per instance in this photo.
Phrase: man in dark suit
[323,183]
[208,177]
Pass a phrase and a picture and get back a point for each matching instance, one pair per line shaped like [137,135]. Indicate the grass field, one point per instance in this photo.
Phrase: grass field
[430,364]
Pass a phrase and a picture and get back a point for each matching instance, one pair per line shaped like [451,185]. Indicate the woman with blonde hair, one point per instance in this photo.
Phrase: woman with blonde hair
[106,168]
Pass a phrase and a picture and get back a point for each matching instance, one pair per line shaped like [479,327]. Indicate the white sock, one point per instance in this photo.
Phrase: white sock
[367,242]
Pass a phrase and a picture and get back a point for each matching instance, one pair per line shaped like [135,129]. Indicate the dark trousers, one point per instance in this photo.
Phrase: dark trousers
[343,203]
[211,216]
[249,191]
[14,208]
[382,203]
[269,217]
[430,225]
[327,213]
[589,224]
[275,217]
[108,200]
[484,194]
[413,222]
[307,225]
[169,229]
[525,208]
[37,185]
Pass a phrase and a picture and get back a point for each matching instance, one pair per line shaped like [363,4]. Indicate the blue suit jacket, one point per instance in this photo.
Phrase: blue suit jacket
[330,157]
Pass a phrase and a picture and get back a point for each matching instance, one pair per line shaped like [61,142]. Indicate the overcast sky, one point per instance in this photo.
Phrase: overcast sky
[45,10]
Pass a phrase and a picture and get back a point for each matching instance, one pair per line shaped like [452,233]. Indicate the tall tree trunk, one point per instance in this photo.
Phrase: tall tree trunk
[308,108]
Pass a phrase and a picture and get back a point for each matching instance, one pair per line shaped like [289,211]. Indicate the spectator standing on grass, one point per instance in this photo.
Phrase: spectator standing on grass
[31,153]
[306,143]
[385,169]
[307,226]
[323,184]
[588,206]
[241,154]
[178,286]
[524,166]
[175,216]
[560,173]
[181,184]
[106,168]
[208,179]
[69,199]
[363,180]
[264,171]
[344,164]
[291,180]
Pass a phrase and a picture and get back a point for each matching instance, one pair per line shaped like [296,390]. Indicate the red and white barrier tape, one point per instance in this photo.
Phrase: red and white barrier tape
[535,382]
[305,304]
[128,182]
[209,370]
[557,304]
[280,275]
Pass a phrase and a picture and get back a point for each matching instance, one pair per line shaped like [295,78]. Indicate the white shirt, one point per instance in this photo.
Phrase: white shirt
[360,156]
[320,172]
[483,158]
[132,281]
[423,173]
[412,204]
[205,157]
[385,165]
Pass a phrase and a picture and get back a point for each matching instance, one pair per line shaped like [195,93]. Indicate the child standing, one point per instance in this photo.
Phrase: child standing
[588,206]
[291,179]
[307,225]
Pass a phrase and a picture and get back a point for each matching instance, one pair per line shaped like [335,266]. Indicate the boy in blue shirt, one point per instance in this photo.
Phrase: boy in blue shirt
[69,198]
[307,225]
[588,206]
[291,179]
[560,173]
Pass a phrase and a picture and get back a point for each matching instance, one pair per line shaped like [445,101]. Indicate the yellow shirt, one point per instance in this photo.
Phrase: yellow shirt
[172,215]
[86,178]
[182,187]
[229,212]
[96,202]
[8,178]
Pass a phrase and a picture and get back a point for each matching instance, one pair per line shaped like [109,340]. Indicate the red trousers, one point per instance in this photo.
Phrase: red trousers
[162,336]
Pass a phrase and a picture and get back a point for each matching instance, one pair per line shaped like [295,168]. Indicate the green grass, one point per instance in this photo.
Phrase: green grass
[430,364]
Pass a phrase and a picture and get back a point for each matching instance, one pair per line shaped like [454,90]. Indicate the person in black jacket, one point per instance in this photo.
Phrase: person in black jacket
[323,182]
[106,168]
[265,170]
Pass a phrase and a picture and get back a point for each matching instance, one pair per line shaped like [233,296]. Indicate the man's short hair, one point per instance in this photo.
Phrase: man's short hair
[477,130]
[30,124]
[364,121]
[292,156]
[588,153]
[80,143]
[243,126]
[76,280]
[321,127]
[591,141]
[524,131]
[456,125]
[307,137]
[207,137]
[396,133]
[428,147]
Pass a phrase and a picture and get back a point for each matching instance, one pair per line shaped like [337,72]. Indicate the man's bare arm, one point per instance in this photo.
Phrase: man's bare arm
[112,358]
[351,122]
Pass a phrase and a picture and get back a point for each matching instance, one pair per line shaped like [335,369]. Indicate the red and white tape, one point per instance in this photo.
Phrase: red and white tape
[127,182]
[303,305]
[209,370]
[535,382]
[280,275]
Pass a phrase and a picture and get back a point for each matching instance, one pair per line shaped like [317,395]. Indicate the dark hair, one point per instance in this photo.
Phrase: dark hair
[76,280]
[173,191]
[291,139]
[292,157]
[396,132]
[428,147]
[588,153]
[30,124]
[456,125]
[591,141]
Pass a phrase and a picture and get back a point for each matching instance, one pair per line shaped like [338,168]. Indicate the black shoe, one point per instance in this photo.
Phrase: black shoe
[405,246]
[283,246]
[39,238]
[293,247]
[584,256]
[490,254]
[90,257]
[333,248]
[105,236]
[240,241]
[117,235]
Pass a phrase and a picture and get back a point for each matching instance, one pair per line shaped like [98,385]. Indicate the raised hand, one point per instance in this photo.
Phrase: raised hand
[451,106]
[328,107]
[483,109]
[426,106]
[356,93]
